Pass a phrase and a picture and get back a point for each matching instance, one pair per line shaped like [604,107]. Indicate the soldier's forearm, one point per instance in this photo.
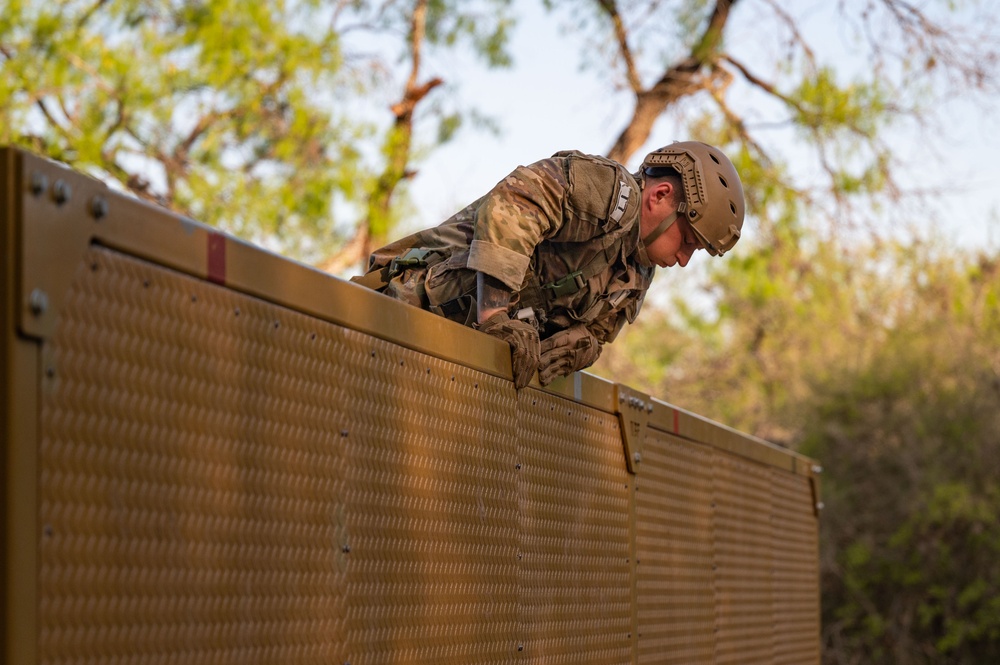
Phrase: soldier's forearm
[491,296]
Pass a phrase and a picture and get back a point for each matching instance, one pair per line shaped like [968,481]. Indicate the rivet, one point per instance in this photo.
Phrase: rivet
[61,192]
[346,549]
[38,302]
[99,207]
[39,183]
[637,457]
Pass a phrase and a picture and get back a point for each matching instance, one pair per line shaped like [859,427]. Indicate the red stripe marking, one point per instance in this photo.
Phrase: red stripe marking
[216,258]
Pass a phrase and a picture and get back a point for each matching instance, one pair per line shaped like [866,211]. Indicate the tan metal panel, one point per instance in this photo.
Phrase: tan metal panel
[796,571]
[674,542]
[19,395]
[432,514]
[325,475]
[226,480]
[189,462]
[744,546]
[575,549]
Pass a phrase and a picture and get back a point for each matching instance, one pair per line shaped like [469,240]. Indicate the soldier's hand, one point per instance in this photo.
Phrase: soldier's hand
[566,352]
[525,350]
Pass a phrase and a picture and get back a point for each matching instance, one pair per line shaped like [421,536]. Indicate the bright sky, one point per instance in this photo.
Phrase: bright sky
[545,104]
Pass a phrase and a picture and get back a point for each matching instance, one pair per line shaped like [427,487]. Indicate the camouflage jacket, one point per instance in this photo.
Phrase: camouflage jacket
[562,234]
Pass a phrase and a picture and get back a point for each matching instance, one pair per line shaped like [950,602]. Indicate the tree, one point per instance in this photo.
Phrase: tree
[434,23]
[870,351]
[243,116]
[682,57]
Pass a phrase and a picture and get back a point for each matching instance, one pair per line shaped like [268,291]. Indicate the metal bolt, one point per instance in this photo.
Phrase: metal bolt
[637,457]
[38,302]
[39,183]
[99,207]
[61,192]
[346,549]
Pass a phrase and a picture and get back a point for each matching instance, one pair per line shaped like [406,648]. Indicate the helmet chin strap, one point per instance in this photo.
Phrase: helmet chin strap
[660,229]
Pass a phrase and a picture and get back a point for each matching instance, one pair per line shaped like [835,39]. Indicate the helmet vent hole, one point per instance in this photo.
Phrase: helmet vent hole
[732,206]
[723,181]
[714,158]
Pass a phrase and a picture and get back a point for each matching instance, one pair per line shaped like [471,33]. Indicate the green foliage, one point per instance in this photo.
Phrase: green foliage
[241,115]
[216,108]
[824,105]
[882,361]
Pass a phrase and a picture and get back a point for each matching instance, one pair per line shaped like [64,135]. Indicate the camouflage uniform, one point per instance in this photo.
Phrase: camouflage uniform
[562,234]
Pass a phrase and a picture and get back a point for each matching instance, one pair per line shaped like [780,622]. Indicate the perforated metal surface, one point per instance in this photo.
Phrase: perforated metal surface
[728,559]
[195,475]
[219,485]
[675,548]
[190,459]
[575,548]
[432,513]
[228,481]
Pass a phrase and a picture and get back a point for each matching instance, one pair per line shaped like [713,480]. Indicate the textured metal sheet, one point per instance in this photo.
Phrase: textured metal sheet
[288,468]
[796,571]
[576,585]
[728,563]
[207,461]
[675,548]
[744,549]
[432,512]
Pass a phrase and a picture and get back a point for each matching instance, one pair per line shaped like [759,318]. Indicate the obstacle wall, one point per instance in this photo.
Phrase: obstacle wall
[213,454]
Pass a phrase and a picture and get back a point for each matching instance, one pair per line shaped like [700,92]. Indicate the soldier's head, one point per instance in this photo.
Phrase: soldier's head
[692,198]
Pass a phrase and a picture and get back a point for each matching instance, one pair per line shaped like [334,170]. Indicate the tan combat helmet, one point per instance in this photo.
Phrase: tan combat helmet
[713,192]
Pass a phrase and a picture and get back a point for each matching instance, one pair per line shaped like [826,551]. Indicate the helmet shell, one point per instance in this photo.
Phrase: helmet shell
[714,204]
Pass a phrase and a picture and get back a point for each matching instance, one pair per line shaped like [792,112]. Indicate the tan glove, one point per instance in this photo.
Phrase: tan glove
[566,352]
[524,346]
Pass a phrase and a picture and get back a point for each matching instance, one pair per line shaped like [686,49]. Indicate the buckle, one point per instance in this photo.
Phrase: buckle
[414,258]
[568,285]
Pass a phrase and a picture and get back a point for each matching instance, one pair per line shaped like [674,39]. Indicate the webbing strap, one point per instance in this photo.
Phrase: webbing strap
[376,280]
[659,230]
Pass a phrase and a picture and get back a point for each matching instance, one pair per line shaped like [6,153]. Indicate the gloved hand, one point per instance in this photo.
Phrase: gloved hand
[567,351]
[524,346]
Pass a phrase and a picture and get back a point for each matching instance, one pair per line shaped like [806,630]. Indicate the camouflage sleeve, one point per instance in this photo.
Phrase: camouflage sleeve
[522,210]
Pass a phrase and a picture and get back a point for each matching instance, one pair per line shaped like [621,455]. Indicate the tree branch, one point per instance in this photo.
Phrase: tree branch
[678,81]
[621,36]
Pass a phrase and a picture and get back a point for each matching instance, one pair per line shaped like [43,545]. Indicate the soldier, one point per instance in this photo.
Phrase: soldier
[558,256]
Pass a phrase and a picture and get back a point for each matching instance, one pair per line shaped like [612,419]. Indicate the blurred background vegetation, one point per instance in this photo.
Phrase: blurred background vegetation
[840,328]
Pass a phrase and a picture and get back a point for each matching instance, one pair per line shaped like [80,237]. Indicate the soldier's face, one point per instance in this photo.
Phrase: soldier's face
[675,246]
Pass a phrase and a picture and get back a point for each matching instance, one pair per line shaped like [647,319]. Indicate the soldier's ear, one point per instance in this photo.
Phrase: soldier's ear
[663,190]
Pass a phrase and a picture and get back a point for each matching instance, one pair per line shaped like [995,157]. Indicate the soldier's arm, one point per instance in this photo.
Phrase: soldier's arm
[492,296]
[522,209]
